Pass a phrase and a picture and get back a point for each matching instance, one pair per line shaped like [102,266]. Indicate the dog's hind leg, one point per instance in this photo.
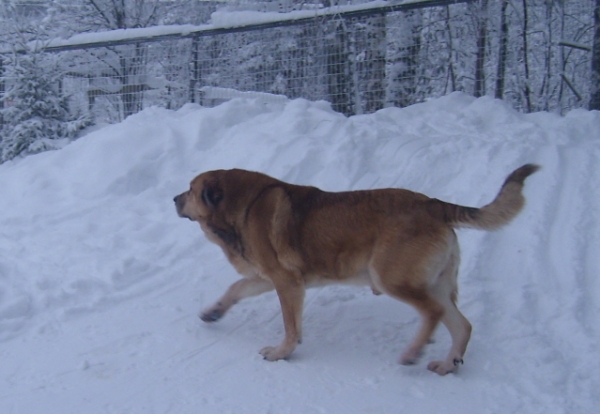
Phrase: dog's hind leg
[403,269]
[415,293]
[460,331]
[241,289]
[431,312]
[445,290]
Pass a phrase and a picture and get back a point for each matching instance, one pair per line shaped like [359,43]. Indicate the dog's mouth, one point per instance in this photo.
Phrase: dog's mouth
[184,216]
[179,203]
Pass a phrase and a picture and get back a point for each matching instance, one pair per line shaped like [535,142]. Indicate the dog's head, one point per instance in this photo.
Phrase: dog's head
[220,195]
[203,198]
[219,200]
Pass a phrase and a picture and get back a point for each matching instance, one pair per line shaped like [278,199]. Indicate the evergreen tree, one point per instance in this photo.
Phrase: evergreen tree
[36,113]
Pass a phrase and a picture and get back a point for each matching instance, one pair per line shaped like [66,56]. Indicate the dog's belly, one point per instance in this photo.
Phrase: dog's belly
[360,278]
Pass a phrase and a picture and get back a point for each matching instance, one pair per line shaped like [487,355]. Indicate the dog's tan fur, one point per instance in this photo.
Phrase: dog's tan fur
[289,237]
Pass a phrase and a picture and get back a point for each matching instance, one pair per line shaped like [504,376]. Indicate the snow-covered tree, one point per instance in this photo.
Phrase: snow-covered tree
[127,66]
[404,59]
[36,113]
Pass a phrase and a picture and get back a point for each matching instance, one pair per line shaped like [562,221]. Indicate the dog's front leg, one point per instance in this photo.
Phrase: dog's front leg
[241,289]
[291,297]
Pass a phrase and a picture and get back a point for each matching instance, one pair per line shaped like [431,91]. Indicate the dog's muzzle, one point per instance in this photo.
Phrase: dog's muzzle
[179,201]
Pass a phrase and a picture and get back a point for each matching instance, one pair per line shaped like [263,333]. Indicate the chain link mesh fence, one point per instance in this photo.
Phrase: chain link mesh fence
[358,62]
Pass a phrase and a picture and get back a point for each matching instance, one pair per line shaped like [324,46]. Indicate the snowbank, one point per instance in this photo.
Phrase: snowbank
[100,281]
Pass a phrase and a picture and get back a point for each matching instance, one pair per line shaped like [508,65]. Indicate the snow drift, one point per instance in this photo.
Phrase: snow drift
[100,281]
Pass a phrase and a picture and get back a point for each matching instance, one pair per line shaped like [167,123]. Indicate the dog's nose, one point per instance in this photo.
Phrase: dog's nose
[175,198]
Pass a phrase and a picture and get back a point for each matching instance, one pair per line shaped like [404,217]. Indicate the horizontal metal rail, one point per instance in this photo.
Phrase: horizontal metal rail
[210,31]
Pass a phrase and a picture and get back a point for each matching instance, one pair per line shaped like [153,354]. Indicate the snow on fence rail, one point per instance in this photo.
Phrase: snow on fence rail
[359,58]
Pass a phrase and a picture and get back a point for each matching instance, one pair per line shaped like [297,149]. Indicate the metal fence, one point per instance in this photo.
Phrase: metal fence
[360,61]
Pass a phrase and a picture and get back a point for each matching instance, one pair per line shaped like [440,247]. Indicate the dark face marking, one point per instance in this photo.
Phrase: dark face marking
[212,194]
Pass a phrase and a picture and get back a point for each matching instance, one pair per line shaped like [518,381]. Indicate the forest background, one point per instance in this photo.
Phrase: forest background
[538,55]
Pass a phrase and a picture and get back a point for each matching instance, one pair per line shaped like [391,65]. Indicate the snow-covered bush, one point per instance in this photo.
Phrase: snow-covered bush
[36,113]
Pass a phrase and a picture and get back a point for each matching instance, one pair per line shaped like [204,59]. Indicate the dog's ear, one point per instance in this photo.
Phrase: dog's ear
[212,194]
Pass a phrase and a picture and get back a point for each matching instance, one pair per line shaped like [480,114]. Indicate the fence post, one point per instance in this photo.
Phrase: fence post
[2,89]
[194,76]
[595,95]
[482,15]
[503,52]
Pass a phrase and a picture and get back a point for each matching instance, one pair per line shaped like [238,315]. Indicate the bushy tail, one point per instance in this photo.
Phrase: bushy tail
[505,207]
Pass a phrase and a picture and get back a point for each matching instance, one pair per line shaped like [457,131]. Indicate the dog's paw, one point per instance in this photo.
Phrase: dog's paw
[274,353]
[444,367]
[410,357]
[211,315]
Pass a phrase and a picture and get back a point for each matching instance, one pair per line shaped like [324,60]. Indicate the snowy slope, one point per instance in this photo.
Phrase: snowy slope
[101,282]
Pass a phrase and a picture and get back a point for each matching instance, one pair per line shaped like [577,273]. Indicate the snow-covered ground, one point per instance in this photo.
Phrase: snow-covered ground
[101,282]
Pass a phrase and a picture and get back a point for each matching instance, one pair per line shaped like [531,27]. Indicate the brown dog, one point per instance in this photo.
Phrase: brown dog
[289,237]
